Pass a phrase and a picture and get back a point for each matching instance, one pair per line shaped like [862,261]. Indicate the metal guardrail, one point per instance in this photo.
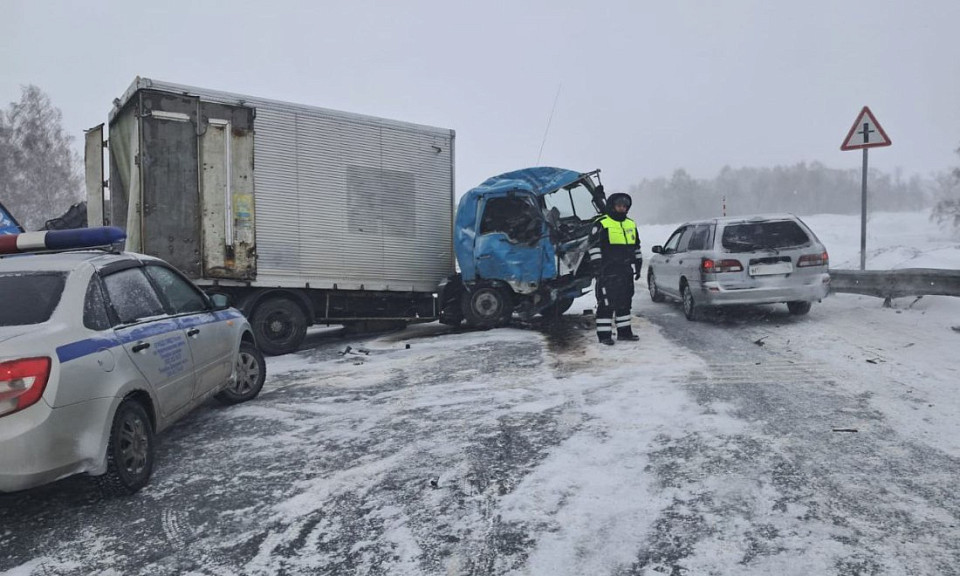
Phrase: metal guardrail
[889,284]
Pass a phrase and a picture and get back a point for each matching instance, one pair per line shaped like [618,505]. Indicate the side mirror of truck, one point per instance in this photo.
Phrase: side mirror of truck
[220,301]
[657,249]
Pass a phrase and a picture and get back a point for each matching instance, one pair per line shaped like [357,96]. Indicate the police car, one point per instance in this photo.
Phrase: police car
[99,351]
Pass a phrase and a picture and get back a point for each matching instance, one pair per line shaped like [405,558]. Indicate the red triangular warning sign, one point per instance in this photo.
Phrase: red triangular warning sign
[866,132]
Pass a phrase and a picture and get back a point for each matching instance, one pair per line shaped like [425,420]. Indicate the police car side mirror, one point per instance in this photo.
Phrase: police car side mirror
[220,301]
[657,249]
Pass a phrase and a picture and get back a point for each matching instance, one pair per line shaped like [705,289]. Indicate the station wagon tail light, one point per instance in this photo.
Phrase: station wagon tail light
[22,383]
[708,266]
[822,259]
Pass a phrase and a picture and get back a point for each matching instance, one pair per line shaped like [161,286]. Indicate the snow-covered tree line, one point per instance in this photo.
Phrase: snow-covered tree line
[801,189]
[40,173]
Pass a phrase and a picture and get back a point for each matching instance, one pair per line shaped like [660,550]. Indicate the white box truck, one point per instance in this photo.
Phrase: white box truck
[302,215]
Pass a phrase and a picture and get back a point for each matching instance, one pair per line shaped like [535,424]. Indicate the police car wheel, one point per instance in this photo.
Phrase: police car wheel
[251,372]
[485,307]
[130,451]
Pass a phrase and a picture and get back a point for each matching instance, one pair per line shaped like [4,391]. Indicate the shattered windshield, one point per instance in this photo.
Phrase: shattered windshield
[572,201]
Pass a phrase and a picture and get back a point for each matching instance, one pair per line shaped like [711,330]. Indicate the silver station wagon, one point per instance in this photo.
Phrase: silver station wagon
[99,351]
[744,260]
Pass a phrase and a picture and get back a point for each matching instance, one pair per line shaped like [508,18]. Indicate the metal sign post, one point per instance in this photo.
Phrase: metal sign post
[861,139]
[863,213]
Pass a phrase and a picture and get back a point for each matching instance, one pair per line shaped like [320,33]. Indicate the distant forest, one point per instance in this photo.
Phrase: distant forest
[801,189]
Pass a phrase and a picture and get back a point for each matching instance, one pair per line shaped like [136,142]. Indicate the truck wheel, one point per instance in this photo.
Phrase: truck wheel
[485,307]
[129,451]
[251,372]
[279,325]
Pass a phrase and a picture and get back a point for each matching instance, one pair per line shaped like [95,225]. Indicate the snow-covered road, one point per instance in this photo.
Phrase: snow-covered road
[752,442]
[829,449]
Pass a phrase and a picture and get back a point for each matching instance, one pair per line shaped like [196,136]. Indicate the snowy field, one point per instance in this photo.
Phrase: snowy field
[750,443]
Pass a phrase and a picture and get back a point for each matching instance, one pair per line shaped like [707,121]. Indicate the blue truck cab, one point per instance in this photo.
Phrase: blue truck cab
[8,224]
[521,241]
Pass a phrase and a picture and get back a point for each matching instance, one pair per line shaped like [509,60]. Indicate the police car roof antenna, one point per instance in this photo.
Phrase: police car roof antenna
[549,120]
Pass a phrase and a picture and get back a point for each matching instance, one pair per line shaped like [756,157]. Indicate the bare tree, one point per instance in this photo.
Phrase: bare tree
[40,173]
[947,210]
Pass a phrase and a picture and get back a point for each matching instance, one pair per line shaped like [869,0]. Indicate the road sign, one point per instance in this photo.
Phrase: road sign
[866,132]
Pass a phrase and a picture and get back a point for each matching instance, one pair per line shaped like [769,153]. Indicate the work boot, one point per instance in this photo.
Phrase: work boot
[607,341]
[629,337]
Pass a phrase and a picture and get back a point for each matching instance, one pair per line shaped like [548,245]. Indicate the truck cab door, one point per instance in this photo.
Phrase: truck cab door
[513,245]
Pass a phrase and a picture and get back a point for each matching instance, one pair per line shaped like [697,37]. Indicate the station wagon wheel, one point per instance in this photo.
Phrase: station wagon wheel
[130,451]
[250,374]
[799,308]
[655,294]
[690,308]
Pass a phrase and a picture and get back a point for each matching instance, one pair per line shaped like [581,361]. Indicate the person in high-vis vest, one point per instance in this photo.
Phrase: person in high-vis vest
[616,261]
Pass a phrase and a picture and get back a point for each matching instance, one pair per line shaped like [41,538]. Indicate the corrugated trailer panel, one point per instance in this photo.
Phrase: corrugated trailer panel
[348,227]
[275,192]
[322,204]
[344,199]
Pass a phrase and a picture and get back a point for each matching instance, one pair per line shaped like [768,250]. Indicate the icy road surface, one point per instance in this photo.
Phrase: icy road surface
[749,443]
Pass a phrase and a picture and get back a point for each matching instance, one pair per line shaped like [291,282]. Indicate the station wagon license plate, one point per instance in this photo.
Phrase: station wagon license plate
[768,269]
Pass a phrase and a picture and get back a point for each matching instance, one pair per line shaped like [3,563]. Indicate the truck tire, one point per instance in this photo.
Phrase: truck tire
[486,307]
[251,372]
[130,451]
[279,326]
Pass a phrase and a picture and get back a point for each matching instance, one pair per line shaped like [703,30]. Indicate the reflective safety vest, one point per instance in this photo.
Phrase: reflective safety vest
[620,232]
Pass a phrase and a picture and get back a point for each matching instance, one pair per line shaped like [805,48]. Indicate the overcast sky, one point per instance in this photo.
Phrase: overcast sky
[645,87]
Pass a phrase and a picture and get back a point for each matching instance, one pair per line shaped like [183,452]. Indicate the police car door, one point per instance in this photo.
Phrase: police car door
[153,340]
[212,338]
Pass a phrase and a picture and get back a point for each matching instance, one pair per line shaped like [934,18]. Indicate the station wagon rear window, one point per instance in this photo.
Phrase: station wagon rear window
[29,298]
[772,234]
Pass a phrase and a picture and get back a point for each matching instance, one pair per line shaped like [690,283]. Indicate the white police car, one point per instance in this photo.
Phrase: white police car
[99,351]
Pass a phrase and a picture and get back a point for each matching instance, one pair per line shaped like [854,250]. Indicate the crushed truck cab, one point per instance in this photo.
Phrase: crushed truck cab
[521,241]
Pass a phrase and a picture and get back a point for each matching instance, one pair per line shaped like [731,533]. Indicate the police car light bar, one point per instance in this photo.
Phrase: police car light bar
[60,239]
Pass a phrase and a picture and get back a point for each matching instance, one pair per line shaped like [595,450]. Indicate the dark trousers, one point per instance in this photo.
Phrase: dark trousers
[614,295]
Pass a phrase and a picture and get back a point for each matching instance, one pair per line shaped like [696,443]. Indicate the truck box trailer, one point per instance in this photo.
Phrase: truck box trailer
[302,215]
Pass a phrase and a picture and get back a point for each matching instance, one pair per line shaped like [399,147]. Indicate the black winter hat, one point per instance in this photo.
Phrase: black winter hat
[619,198]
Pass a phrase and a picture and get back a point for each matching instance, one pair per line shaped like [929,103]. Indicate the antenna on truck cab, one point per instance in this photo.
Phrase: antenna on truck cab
[549,120]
